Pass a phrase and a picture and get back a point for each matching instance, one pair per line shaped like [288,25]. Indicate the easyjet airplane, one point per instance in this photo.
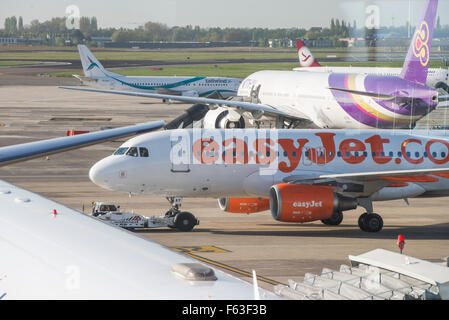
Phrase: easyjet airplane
[299,175]
[329,100]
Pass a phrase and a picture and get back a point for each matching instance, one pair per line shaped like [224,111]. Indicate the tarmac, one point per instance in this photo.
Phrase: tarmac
[32,110]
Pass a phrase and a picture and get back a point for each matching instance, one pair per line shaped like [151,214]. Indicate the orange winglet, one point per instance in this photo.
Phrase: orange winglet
[421,178]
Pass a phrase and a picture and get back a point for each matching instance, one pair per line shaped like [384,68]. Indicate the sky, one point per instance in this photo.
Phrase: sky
[224,13]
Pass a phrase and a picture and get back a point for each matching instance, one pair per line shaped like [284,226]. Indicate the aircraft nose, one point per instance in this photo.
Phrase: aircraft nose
[100,173]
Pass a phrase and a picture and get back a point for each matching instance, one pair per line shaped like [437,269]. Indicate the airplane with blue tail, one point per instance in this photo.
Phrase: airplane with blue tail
[97,76]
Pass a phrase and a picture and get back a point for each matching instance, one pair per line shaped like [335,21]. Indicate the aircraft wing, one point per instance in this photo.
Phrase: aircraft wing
[255,108]
[352,183]
[70,255]
[32,150]
[367,176]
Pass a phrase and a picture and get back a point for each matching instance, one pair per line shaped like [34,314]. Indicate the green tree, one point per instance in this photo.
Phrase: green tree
[20,26]
[333,29]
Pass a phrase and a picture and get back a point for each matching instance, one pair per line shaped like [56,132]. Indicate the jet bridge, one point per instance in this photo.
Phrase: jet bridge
[375,275]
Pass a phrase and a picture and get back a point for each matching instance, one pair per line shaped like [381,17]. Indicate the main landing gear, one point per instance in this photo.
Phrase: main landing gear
[371,222]
[335,219]
[182,220]
[368,222]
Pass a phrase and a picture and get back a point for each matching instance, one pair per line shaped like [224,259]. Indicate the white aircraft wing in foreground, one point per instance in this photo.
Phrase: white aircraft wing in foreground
[49,251]
[69,255]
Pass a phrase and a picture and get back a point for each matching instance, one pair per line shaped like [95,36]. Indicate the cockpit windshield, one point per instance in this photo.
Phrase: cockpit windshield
[143,152]
[120,151]
[132,152]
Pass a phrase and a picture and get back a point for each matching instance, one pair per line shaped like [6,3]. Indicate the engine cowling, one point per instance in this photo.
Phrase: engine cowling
[223,118]
[301,203]
[244,205]
[191,93]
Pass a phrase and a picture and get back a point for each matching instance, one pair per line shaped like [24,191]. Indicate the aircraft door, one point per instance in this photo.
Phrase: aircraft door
[180,155]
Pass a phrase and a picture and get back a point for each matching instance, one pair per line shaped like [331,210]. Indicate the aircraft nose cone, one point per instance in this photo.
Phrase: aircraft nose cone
[98,174]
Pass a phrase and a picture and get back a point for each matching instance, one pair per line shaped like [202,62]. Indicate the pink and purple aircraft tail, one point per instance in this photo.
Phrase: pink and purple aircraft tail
[417,61]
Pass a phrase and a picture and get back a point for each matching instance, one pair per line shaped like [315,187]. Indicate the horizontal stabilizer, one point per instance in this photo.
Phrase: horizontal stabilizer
[366,94]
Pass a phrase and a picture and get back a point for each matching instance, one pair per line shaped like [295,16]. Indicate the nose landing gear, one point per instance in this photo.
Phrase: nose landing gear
[182,220]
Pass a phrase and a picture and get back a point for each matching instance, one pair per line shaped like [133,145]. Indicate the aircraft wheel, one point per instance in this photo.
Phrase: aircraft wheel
[374,222]
[185,221]
[335,219]
[362,224]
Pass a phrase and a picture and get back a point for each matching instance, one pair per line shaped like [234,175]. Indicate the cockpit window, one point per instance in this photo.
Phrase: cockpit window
[120,151]
[144,152]
[132,152]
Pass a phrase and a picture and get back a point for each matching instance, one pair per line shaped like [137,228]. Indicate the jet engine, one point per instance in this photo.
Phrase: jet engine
[191,93]
[223,118]
[244,205]
[301,203]
[442,85]
[189,117]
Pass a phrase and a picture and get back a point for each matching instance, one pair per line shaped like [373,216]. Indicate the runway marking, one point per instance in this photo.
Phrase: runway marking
[229,268]
[79,119]
[202,249]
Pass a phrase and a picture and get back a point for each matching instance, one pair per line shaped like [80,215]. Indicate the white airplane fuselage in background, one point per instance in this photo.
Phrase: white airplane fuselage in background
[434,75]
[183,86]
[97,76]
[311,95]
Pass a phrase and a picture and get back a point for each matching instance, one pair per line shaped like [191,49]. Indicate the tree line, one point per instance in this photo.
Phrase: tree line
[57,31]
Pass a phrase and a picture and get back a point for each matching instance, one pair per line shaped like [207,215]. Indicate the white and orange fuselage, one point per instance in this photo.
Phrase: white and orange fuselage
[247,163]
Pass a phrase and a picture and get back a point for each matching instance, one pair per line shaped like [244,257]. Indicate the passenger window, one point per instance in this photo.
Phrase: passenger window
[120,151]
[132,152]
[144,152]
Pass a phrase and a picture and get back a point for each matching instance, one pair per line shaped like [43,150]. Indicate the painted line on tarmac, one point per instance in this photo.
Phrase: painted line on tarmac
[200,249]
[229,268]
